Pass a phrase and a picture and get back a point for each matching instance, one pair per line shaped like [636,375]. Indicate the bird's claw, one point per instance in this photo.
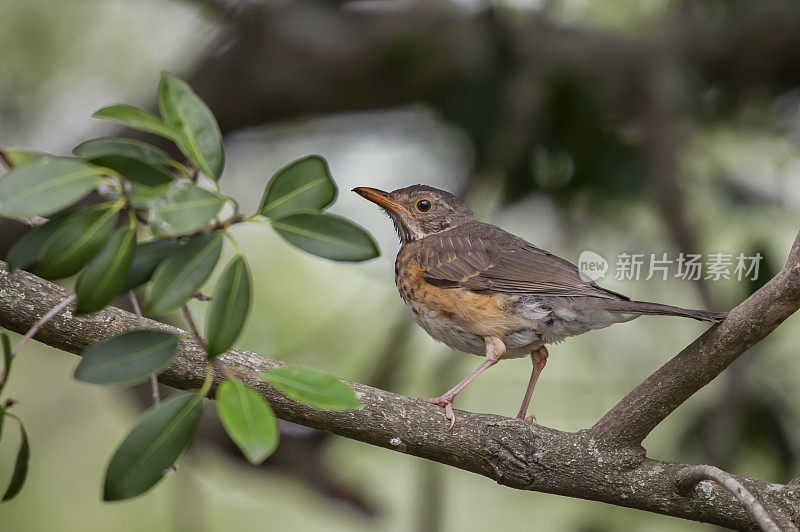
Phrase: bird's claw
[447,403]
[530,418]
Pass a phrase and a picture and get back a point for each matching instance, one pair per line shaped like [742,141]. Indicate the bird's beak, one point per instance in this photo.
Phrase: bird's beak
[381,198]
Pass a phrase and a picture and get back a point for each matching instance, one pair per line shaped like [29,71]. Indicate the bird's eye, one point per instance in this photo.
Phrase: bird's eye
[423,205]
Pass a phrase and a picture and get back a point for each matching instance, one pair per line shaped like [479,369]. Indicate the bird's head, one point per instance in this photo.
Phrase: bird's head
[419,210]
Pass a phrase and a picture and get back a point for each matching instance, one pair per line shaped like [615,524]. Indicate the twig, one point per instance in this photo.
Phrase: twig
[200,296]
[192,326]
[44,319]
[6,160]
[210,228]
[687,478]
[153,380]
[33,330]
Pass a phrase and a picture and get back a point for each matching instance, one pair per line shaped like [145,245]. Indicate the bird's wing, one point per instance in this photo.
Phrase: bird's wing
[512,266]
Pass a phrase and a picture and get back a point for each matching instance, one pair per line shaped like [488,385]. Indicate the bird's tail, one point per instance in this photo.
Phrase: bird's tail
[643,307]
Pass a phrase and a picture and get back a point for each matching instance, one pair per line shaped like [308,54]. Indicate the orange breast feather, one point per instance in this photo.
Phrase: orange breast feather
[481,314]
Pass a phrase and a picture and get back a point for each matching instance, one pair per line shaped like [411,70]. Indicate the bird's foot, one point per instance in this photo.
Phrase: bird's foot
[530,418]
[447,402]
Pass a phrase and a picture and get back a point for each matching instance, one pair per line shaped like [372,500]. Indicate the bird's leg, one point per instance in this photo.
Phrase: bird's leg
[539,359]
[495,349]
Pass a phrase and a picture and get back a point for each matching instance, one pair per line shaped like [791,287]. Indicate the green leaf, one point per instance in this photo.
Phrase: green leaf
[27,249]
[129,148]
[180,275]
[186,210]
[152,448]
[22,157]
[326,235]
[229,308]
[201,139]
[137,172]
[20,466]
[6,345]
[146,257]
[138,119]
[303,184]
[313,388]
[128,358]
[44,187]
[248,420]
[105,275]
[79,237]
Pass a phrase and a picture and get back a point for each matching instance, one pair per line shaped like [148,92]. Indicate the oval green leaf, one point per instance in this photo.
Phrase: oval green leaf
[152,448]
[129,148]
[20,157]
[313,388]
[303,184]
[146,257]
[201,139]
[27,249]
[229,307]
[180,275]
[79,237]
[326,235]
[128,358]
[138,119]
[186,210]
[248,420]
[20,465]
[105,275]
[46,186]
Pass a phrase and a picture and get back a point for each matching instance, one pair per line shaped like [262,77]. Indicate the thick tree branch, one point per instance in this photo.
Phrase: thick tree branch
[512,452]
[691,476]
[633,418]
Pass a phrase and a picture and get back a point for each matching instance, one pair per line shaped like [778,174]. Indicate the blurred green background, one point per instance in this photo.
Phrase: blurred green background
[648,127]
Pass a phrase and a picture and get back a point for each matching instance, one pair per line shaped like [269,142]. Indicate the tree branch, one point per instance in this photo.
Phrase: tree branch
[689,477]
[633,418]
[512,452]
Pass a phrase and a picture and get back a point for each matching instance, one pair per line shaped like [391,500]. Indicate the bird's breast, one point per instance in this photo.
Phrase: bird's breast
[447,312]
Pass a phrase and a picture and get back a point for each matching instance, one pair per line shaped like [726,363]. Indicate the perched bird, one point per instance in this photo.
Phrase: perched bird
[484,291]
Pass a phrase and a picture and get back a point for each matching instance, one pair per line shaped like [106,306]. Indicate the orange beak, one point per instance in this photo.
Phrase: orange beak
[381,198]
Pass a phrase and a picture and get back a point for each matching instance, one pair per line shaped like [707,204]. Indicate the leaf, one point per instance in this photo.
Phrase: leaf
[128,358]
[27,249]
[180,275]
[229,308]
[105,275]
[146,257]
[201,139]
[44,187]
[79,237]
[313,388]
[248,420]
[137,172]
[326,235]
[22,157]
[20,466]
[143,458]
[138,119]
[303,184]
[5,343]
[129,148]
[187,210]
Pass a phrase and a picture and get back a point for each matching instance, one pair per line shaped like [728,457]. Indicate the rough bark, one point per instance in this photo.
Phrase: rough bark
[512,452]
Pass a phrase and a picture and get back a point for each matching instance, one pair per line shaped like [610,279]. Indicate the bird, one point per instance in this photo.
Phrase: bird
[484,291]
